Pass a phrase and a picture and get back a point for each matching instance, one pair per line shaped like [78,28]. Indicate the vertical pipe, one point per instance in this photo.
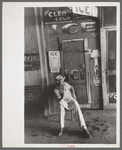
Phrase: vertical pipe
[46,79]
[104,67]
[50,75]
[45,59]
[41,45]
[87,70]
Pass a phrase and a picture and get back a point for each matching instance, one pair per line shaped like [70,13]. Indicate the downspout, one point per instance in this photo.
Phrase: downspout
[46,79]
[42,48]
[102,48]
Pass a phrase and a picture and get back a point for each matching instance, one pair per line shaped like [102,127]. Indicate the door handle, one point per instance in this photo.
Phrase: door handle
[88,51]
[106,75]
[106,71]
[84,51]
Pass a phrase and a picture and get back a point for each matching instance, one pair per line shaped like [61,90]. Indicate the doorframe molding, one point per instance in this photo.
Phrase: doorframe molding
[104,67]
[87,64]
[88,106]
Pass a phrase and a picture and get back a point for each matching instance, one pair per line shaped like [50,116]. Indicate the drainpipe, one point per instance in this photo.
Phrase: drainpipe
[43,61]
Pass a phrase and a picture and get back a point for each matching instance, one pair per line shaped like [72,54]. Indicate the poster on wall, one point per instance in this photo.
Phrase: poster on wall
[88,26]
[31,61]
[54,61]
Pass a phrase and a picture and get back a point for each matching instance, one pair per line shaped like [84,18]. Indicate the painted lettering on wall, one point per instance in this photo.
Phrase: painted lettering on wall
[75,74]
[32,61]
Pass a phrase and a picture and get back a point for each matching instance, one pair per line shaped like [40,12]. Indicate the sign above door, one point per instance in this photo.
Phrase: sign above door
[65,14]
[57,14]
[86,10]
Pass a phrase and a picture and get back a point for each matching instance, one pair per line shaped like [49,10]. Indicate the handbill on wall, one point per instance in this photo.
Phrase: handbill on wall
[54,61]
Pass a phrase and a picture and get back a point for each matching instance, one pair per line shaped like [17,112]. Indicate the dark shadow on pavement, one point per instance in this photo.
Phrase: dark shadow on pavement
[80,134]
[53,131]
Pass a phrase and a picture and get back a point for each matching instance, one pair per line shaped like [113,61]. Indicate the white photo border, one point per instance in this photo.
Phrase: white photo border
[13,73]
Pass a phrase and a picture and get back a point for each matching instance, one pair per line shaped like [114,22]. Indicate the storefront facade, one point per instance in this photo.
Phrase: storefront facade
[71,42]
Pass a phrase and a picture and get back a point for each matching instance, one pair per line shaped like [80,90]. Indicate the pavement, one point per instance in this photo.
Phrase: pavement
[44,130]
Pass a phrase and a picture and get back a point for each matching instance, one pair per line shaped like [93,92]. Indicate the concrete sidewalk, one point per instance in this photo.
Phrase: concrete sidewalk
[42,130]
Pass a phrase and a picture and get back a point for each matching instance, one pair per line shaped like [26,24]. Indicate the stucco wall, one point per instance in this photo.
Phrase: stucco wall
[33,86]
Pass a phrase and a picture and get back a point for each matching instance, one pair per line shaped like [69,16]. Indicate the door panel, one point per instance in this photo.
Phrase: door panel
[111,65]
[108,64]
[74,67]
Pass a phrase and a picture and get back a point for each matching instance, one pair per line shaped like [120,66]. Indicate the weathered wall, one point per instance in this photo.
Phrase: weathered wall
[109,16]
[33,85]
[50,41]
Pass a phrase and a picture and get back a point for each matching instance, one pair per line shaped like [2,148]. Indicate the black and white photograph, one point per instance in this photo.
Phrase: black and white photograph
[66,85]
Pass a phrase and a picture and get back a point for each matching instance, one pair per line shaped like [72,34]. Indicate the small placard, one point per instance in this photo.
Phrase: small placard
[89,26]
[95,53]
[54,61]
[55,70]
[96,80]
[32,61]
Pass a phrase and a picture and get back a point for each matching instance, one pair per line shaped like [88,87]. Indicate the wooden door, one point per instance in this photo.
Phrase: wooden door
[74,68]
[111,47]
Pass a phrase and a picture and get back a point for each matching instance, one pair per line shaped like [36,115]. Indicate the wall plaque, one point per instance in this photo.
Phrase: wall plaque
[88,26]
[32,61]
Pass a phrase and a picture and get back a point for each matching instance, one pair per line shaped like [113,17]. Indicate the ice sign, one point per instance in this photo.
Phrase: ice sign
[54,61]
[54,53]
